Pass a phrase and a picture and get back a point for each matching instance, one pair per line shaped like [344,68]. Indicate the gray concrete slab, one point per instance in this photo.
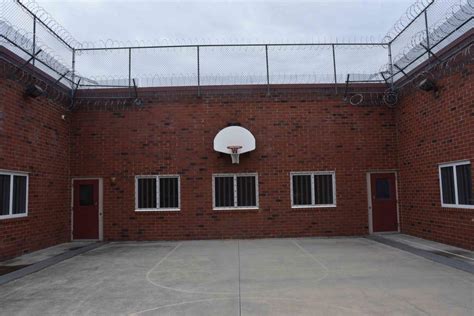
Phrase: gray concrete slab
[306,276]
[43,254]
[454,257]
[42,259]
[434,247]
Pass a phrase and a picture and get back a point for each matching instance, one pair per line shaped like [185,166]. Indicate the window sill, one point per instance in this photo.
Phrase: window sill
[255,208]
[470,207]
[148,210]
[313,206]
[2,217]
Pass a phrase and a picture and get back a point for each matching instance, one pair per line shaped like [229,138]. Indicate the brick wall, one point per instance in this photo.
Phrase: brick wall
[34,139]
[432,131]
[301,131]
[297,129]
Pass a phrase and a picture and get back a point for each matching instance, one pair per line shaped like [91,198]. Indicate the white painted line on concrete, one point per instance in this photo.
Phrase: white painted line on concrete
[175,289]
[310,255]
[181,303]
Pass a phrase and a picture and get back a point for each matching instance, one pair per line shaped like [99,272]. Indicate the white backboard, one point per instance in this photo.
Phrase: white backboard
[234,136]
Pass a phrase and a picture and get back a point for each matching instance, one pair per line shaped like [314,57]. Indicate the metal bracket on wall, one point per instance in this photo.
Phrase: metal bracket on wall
[73,95]
[26,63]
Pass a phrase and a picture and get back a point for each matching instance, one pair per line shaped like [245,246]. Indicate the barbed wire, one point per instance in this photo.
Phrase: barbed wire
[417,45]
[361,66]
[49,21]
[24,40]
[410,14]
[113,44]
[27,76]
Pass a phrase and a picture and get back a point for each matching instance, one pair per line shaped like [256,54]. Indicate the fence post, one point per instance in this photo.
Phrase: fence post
[34,40]
[268,70]
[427,34]
[129,67]
[73,75]
[198,71]
[390,62]
[334,66]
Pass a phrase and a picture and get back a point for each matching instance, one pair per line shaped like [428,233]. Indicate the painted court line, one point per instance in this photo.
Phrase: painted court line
[180,304]
[310,255]
[175,289]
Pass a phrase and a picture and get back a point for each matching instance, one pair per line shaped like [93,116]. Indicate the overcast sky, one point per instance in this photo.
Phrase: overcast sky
[192,21]
[197,22]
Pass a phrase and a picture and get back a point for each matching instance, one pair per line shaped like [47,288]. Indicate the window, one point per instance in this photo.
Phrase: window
[456,185]
[382,189]
[313,189]
[235,191]
[86,194]
[157,193]
[13,194]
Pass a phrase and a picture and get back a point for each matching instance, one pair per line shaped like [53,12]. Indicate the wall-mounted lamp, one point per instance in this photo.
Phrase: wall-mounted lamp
[34,91]
[138,102]
[428,85]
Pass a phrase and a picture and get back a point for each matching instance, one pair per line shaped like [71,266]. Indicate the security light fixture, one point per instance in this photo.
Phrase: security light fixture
[34,91]
[138,102]
[427,85]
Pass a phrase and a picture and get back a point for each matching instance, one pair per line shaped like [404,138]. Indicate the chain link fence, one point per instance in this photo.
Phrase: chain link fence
[426,28]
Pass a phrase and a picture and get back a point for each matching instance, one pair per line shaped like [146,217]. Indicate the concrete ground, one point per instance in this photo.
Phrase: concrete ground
[44,254]
[434,247]
[306,276]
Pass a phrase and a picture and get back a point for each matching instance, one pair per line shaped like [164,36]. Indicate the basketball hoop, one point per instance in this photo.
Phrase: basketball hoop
[235,153]
[234,141]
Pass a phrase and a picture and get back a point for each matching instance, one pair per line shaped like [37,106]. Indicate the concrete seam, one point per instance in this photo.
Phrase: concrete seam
[38,266]
[456,264]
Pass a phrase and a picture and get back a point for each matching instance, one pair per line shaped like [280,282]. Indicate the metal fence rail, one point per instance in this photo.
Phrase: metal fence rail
[426,28]
[202,65]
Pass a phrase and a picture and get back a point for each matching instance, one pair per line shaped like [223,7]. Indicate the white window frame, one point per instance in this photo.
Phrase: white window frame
[12,174]
[158,208]
[234,176]
[453,165]
[313,198]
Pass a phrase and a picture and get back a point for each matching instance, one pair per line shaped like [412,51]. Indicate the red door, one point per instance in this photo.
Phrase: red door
[384,202]
[86,209]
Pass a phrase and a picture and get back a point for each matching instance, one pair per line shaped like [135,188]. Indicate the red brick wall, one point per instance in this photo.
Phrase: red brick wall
[300,131]
[295,131]
[34,139]
[432,131]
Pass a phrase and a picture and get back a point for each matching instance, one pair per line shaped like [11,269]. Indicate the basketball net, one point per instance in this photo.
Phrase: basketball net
[235,153]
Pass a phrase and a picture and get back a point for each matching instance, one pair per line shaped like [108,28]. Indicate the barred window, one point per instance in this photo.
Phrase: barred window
[235,191]
[456,185]
[13,194]
[157,193]
[313,189]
